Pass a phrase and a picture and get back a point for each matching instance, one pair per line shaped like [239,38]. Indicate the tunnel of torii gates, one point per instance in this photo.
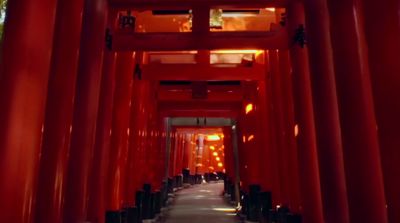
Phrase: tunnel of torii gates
[90,91]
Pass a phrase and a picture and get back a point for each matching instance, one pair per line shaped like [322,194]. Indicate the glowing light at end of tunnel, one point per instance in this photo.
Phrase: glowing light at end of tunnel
[250,138]
[249,108]
[212,147]
[296,130]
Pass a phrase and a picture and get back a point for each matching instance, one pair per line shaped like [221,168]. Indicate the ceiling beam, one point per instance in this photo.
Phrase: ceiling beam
[190,4]
[199,72]
[199,105]
[171,96]
[131,41]
[199,113]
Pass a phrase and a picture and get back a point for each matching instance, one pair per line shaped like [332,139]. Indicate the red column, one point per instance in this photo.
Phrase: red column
[181,152]
[271,61]
[186,152]
[251,134]
[59,108]
[119,132]
[144,131]
[288,131]
[228,154]
[329,142]
[278,129]
[242,154]
[134,175]
[360,140]
[159,155]
[98,177]
[24,72]
[382,35]
[311,199]
[172,153]
[265,140]
[271,181]
[154,149]
[85,111]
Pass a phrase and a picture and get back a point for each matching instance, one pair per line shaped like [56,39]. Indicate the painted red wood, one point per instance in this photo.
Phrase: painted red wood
[85,111]
[357,117]
[24,72]
[329,141]
[311,200]
[59,109]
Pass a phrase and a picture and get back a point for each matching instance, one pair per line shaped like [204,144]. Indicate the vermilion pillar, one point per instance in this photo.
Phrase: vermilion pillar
[98,177]
[153,150]
[116,185]
[273,68]
[228,154]
[278,128]
[270,132]
[134,156]
[172,153]
[85,110]
[329,142]
[251,136]
[59,109]
[288,130]
[266,157]
[382,35]
[143,126]
[242,154]
[311,200]
[360,139]
[186,151]
[24,72]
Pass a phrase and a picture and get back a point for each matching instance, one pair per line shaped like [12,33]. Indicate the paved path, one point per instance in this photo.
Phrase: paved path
[201,204]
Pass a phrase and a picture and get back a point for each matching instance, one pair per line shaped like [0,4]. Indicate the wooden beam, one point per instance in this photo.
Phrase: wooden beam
[185,95]
[190,4]
[200,113]
[197,72]
[131,41]
[199,105]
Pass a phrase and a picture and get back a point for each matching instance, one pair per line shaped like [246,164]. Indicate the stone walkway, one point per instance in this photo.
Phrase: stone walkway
[201,204]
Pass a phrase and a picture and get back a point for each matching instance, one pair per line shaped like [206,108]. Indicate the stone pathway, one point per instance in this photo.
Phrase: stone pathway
[201,204]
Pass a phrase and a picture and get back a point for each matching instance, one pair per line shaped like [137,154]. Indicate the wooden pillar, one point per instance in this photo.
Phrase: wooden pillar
[329,141]
[311,200]
[98,177]
[59,109]
[24,73]
[119,131]
[382,35]
[134,155]
[186,151]
[85,110]
[277,126]
[360,139]
[291,154]
[228,154]
[266,157]
[252,141]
